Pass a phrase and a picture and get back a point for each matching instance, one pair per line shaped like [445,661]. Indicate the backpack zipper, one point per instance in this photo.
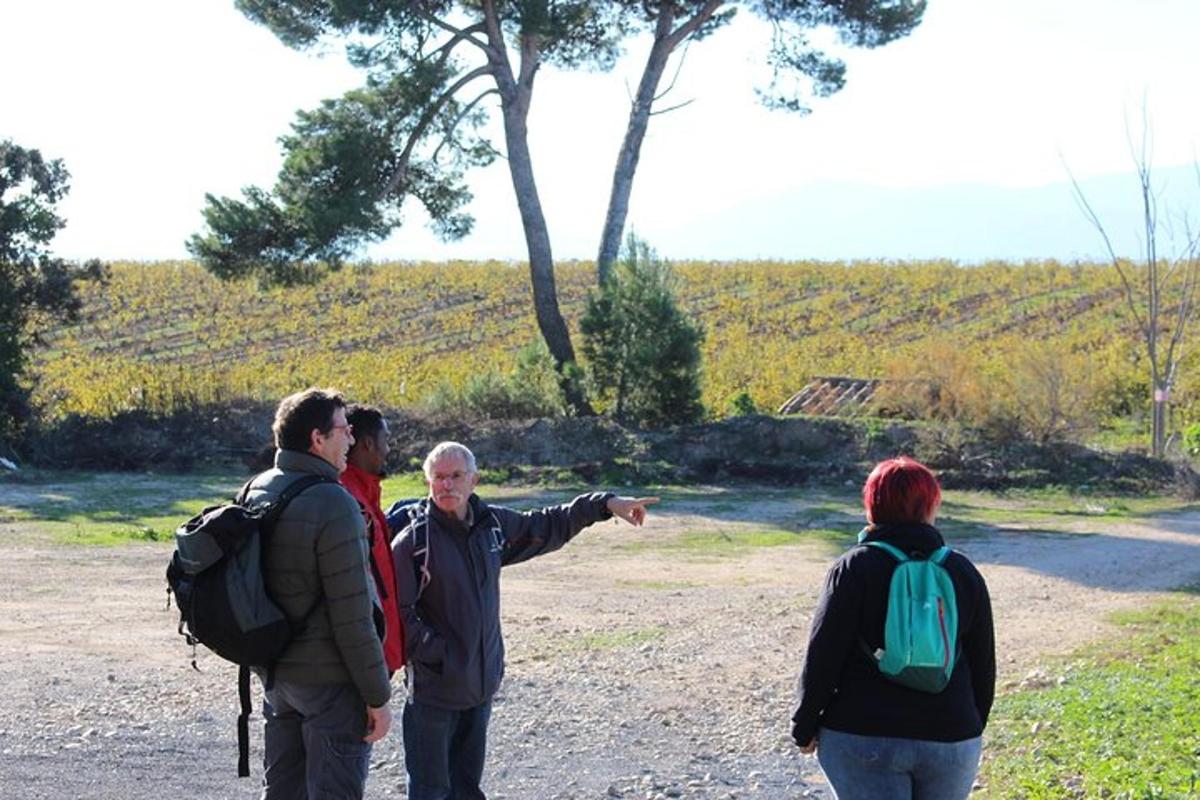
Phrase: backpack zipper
[945,634]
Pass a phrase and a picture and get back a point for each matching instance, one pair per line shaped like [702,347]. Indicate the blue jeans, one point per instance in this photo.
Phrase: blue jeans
[314,748]
[886,768]
[444,751]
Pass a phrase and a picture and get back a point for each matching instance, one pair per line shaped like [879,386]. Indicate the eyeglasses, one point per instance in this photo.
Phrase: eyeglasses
[349,428]
[457,476]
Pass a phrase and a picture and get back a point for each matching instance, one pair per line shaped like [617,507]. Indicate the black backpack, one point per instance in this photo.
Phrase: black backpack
[216,577]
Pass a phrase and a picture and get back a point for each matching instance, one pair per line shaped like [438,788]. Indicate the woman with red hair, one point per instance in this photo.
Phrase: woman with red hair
[877,739]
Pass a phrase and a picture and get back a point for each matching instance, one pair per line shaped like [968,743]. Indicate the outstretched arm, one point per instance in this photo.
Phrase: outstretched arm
[533,533]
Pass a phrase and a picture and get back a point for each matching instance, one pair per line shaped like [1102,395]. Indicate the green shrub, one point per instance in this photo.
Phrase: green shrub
[1191,439]
[530,389]
[742,405]
[642,352]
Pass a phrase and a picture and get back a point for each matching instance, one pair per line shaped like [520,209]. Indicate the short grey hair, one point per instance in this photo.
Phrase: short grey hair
[446,449]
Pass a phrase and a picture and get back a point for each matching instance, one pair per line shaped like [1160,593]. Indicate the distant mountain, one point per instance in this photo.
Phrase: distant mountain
[965,222]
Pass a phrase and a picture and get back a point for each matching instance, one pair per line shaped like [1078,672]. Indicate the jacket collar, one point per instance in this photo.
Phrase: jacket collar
[295,461]
[365,483]
[911,537]
[478,509]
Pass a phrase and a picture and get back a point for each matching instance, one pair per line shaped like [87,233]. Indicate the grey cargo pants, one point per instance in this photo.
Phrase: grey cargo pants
[314,748]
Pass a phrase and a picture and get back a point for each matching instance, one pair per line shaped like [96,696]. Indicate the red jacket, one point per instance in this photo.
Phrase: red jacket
[365,488]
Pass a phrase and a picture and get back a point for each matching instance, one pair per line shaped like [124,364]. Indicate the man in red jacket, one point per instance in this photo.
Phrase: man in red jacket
[364,470]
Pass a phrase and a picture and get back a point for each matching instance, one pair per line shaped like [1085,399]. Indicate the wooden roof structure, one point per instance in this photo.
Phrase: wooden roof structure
[833,396]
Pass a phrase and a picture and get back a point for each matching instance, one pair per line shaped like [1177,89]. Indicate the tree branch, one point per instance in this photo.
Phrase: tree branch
[457,34]
[531,59]
[463,35]
[675,107]
[461,115]
[1187,302]
[498,53]
[675,77]
[699,18]
[424,123]
[491,21]
[1090,213]
[1141,161]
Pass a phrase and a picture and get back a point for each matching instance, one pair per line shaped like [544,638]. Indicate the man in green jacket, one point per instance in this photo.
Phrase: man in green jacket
[326,699]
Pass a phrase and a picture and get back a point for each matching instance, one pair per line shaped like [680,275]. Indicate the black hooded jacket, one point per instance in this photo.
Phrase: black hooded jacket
[840,686]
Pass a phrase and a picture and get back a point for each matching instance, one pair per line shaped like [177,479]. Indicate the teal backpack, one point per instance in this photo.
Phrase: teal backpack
[920,641]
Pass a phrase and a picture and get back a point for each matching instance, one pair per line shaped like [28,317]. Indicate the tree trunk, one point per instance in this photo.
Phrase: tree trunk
[627,160]
[665,42]
[515,105]
[1158,432]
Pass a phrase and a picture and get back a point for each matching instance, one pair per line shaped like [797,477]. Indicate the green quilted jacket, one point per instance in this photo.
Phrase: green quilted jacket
[316,564]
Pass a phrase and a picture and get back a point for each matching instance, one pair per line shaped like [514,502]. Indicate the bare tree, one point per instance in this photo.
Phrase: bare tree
[1160,287]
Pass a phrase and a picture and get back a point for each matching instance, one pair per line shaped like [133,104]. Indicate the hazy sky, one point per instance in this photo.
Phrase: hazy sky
[152,103]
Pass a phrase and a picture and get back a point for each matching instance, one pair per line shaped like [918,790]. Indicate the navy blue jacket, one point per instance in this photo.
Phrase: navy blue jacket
[452,631]
[842,689]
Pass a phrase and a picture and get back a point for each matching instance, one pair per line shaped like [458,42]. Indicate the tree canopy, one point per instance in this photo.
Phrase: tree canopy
[33,283]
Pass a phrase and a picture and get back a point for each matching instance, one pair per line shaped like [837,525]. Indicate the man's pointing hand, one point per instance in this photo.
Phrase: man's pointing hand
[631,509]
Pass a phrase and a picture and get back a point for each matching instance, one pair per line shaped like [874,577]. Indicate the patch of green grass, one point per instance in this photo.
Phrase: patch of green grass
[955,529]
[107,509]
[658,585]
[1122,433]
[1042,505]
[830,513]
[1124,722]
[730,543]
[98,536]
[403,485]
[411,485]
[613,640]
[715,498]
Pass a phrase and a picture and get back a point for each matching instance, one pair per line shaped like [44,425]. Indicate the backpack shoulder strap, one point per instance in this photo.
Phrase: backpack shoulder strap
[940,555]
[291,492]
[243,722]
[895,552]
[294,488]
[420,547]
[240,497]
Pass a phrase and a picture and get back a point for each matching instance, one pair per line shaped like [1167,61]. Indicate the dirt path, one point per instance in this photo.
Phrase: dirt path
[633,671]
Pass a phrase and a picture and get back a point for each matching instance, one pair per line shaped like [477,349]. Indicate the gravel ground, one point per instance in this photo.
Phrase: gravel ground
[633,672]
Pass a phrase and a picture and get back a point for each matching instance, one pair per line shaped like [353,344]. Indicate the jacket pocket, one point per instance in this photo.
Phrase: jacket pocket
[343,771]
[431,655]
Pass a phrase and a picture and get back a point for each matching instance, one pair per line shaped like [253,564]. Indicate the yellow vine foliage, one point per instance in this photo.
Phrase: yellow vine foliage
[167,335]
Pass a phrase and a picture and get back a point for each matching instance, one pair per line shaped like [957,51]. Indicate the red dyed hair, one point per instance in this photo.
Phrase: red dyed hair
[901,490]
